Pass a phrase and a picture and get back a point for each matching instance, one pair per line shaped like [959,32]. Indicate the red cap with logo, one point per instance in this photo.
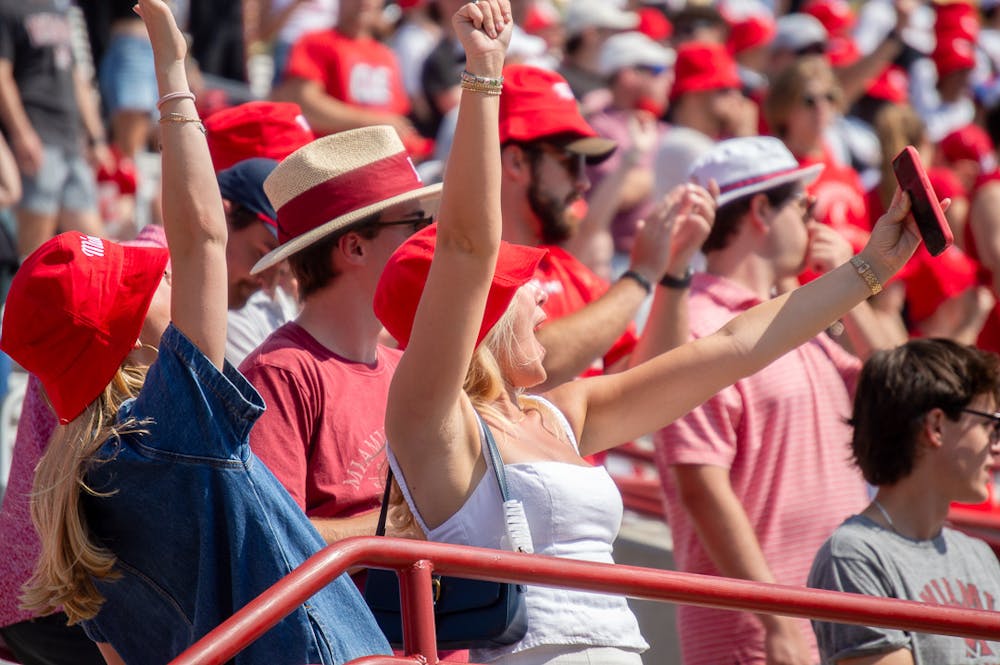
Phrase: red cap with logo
[74,311]
[402,283]
[256,129]
[703,66]
[538,104]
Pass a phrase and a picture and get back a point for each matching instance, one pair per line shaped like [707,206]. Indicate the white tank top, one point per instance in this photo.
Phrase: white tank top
[574,512]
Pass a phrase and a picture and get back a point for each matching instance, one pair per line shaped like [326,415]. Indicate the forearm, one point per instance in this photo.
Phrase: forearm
[86,102]
[667,327]
[10,178]
[326,114]
[870,331]
[12,113]
[855,77]
[574,341]
[333,529]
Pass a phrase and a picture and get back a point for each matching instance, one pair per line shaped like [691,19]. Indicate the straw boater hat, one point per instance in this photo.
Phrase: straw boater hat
[333,182]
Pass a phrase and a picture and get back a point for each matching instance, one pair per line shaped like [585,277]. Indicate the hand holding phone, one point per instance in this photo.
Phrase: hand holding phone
[924,205]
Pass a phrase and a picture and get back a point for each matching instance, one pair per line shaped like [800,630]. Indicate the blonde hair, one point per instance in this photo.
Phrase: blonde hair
[484,384]
[70,558]
[896,126]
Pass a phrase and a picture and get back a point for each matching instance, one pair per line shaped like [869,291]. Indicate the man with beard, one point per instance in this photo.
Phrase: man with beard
[545,148]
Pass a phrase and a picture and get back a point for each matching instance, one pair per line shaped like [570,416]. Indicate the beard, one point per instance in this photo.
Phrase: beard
[556,227]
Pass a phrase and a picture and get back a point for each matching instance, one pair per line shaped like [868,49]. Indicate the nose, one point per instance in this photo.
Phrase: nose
[541,295]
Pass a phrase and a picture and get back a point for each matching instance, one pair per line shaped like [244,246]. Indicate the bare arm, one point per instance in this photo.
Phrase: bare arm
[333,529]
[692,213]
[111,656]
[24,140]
[86,102]
[609,409]
[429,420]
[193,217]
[897,657]
[10,179]
[327,115]
[984,219]
[725,532]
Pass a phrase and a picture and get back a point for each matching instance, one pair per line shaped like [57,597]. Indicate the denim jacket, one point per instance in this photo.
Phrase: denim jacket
[200,527]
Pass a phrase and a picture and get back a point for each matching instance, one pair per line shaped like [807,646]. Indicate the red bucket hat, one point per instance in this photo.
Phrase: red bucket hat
[539,104]
[74,312]
[402,283]
[256,129]
[703,66]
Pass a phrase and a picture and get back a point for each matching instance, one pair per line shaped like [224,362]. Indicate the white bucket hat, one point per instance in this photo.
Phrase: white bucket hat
[747,165]
[332,182]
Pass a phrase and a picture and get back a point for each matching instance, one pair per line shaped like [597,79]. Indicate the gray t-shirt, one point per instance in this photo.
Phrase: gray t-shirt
[952,569]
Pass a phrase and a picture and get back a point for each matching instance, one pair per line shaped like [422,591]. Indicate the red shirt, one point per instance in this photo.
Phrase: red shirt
[361,71]
[571,286]
[323,433]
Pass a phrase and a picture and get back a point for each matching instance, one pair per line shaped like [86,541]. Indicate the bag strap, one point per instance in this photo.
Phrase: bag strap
[496,461]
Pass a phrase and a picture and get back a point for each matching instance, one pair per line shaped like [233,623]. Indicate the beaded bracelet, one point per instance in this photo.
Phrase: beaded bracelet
[488,90]
[181,118]
[170,96]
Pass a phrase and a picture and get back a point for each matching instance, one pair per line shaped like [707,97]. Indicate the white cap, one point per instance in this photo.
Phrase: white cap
[798,31]
[629,49]
[750,164]
[583,14]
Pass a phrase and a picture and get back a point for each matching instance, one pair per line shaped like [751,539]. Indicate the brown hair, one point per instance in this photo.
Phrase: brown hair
[789,87]
[896,126]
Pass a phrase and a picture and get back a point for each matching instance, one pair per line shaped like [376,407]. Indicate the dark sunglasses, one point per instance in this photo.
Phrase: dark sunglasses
[573,162]
[812,101]
[418,222]
[994,424]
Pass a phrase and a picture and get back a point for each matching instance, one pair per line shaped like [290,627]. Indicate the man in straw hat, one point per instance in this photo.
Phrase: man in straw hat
[344,203]
[758,476]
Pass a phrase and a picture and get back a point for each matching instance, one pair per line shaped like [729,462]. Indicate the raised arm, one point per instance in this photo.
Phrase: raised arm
[428,418]
[609,409]
[193,217]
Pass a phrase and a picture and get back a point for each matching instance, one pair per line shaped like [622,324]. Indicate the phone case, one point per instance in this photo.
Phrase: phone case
[924,205]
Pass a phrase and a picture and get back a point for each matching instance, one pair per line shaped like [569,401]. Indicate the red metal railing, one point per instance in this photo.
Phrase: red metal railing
[413,561]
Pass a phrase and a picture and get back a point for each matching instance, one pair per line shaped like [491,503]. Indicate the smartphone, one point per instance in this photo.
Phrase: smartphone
[924,205]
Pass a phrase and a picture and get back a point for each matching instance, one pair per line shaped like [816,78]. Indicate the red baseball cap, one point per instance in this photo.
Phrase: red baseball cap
[837,16]
[953,52]
[402,283]
[703,66]
[970,142]
[539,104]
[74,311]
[751,31]
[654,24]
[256,129]
[892,85]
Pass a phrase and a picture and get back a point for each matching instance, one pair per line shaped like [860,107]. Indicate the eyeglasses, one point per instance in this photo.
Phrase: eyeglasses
[812,101]
[994,423]
[418,222]
[573,162]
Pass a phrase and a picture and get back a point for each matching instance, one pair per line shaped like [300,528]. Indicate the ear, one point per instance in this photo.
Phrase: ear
[760,212]
[932,428]
[514,164]
[350,249]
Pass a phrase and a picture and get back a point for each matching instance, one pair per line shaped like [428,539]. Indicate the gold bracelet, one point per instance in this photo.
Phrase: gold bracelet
[182,119]
[867,274]
[489,90]
[484,80]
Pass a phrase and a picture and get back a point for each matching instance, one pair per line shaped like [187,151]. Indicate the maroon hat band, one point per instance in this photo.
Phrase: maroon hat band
[753,181]
[353,190]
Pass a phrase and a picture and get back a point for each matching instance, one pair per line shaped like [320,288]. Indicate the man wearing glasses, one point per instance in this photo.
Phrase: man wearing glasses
[546,146]
[344,204]
[926,434]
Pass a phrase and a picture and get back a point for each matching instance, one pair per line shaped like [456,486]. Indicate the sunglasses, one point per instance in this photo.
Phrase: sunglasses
[418,222]
[812,101]
[994,424]
[574,163]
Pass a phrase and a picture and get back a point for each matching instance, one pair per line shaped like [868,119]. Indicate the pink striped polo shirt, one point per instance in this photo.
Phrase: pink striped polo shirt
[782,435]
